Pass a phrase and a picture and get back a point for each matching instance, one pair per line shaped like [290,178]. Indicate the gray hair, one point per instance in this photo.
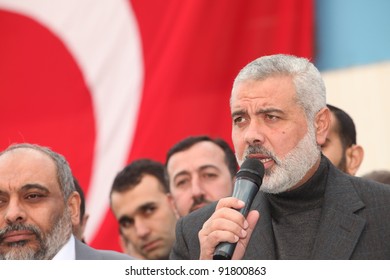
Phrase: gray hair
[64,173]
[309,86]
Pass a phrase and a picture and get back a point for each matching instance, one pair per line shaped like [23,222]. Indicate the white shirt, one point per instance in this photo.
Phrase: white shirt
[68,251]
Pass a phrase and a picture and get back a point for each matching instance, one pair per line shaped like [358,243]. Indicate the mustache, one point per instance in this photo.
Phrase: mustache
[256,149]
[20,227]
[198,200]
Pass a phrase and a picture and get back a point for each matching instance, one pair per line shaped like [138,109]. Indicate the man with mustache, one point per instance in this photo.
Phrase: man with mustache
[38,207]
[200,170]
[306,208]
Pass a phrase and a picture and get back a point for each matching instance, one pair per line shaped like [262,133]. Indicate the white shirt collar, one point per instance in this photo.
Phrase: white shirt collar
[68,251]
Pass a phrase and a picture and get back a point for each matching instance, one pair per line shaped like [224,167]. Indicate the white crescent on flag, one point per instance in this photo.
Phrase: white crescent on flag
[108,51]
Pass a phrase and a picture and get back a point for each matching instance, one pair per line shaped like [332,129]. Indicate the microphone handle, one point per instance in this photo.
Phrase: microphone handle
[245,191]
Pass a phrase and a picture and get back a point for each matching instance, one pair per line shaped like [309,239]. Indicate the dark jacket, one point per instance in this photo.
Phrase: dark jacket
[355,223]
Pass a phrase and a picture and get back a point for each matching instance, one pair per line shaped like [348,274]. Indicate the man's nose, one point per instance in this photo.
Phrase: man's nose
[197,187]
[141,227]
[254,133]
[14,213]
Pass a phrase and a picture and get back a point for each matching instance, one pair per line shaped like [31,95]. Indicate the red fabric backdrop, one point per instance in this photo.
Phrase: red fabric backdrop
[192,51]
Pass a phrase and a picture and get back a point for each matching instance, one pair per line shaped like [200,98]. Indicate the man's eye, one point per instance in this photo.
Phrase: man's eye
[34,196]
[210,175]
[238,120]
[149,210]
[126,223]
[272,117]
[2,201]
[181,183]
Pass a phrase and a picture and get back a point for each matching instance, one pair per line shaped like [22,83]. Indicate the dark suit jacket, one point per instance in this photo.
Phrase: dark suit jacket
[84,252]
[355,223]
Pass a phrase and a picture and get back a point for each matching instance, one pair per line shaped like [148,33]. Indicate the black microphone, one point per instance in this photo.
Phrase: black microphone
[247,184]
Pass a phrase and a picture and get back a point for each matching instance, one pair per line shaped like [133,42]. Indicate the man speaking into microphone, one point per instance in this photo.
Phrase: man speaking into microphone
[306,208]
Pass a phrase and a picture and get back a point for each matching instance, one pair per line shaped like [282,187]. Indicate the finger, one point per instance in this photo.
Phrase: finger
[221,224]
[216,237]
[230,202]
[228,214]
[252,219]
[209,243]
[242,244]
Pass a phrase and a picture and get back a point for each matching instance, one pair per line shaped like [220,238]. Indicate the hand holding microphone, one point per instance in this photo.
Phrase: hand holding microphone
[247,184]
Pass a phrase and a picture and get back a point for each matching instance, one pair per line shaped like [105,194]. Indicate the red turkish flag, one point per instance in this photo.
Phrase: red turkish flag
[107,82]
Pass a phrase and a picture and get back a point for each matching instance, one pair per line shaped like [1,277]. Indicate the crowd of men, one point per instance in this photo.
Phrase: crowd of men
[310,204]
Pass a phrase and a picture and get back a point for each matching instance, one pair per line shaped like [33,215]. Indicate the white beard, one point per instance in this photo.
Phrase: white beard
[288,171]
[48,246]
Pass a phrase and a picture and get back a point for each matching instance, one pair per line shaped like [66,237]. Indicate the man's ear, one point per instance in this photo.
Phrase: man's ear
[354,157]
[322,125]
[171,202]
[74,207]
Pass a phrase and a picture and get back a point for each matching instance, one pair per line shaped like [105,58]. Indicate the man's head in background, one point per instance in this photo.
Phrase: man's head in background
[142,205]
[381,176]
[340,146]
[200,170]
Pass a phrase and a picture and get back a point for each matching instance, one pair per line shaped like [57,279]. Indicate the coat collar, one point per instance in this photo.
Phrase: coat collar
[340,226]
[339,230]
[261,245]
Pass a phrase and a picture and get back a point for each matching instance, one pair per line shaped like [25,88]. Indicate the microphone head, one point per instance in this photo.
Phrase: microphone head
[252,169]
